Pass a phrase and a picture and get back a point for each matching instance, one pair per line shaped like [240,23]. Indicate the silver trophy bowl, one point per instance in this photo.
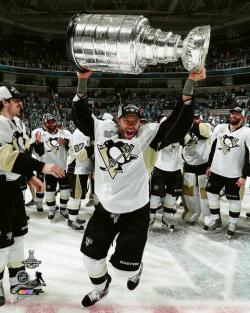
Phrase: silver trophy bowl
[127,44]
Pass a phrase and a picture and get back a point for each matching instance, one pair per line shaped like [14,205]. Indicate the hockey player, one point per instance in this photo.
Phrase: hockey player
[166,182]
[121,184]
[14,162]
[36,138]
[53,144]
[78,170]
[229,159]
[197,146]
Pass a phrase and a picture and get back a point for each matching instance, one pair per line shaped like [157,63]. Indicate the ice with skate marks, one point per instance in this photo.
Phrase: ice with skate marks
[165,258]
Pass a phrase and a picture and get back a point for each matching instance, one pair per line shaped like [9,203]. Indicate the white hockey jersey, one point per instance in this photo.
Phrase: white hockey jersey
[121,177]
[169,159]
[54,152]
[12,132]
[229,155]
[196,151]
[77,143]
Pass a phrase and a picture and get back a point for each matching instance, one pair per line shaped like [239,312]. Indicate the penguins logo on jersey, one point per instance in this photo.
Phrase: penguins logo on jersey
[53,144]
[114,155]
[227,143]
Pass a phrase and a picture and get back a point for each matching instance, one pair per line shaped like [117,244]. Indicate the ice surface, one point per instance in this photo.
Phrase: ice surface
[187,271]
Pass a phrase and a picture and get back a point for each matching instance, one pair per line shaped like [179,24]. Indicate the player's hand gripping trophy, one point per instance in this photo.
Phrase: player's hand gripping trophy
[127,44]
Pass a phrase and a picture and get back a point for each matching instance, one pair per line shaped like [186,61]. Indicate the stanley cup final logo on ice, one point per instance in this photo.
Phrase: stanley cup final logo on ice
[127,44]
[31,262]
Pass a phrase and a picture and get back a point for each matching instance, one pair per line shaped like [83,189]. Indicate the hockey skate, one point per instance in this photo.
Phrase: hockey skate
[39,207]
[75,226]
[32,287]
[133,281]
[32,202]
[231,230]
[95,295]
[80,221]
[51,215]
[168,222]
[212,224]
[2,296]
[248,214]
[64,214]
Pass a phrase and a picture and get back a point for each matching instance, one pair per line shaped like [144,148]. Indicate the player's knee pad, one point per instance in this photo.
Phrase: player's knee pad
[169,201]
[50,196]
[234,206]
[95,268]
[16,253]
[124,275]
[73,204]
[213,200]
[64,194]
[155,202]
[3,259]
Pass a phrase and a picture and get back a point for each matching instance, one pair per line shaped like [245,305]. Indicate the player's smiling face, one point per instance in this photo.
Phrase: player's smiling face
[51,125]
[129,125]
[235,118]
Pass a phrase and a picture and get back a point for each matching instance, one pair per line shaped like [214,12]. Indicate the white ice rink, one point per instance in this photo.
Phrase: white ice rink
[187,271]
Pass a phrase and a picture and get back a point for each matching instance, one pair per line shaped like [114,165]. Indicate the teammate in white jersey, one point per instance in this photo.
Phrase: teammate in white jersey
[14,162]
[78,170]
[197,146]
[122,184]
[229,159]
[53,145]
[36,136]
[166,182]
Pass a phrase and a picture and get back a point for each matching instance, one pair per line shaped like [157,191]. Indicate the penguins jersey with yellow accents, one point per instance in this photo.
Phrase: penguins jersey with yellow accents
[54,151]
[230,150]
[196,150]
[121,178]
[78,162]
[169,159]
[12,138]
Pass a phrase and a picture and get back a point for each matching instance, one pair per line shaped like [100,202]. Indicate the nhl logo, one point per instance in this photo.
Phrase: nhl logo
[31,262]
[22,277]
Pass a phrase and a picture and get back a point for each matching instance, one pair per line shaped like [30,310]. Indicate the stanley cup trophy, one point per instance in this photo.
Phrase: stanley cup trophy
[127,44]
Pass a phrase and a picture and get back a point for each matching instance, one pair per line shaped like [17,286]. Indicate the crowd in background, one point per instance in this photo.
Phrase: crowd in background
[153,105]
[41,53]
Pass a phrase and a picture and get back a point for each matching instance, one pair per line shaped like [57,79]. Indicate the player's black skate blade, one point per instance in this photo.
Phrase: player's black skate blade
[94,296]
[63,214]
[134,281]
[75,226]
[51,215]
